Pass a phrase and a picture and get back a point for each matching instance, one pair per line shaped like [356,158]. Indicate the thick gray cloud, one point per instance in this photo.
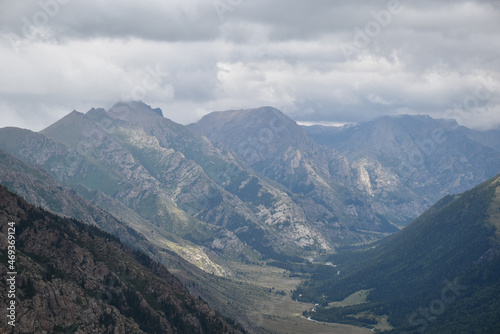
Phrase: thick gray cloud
[321,61]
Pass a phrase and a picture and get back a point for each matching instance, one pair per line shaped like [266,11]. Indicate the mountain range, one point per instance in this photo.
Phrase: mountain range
[242,187]
[42,190]
[260,184]
[172,178]
[430,158]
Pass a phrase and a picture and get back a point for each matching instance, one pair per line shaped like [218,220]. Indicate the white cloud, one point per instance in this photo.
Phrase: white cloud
[286,54]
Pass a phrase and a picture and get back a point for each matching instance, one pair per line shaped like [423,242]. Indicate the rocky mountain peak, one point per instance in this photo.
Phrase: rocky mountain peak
[267,111]
[264,128]
[74,116]
[253,117]
[96,112]
[75,113]
[133,109]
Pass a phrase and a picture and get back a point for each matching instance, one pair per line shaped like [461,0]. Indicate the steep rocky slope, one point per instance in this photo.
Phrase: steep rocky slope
[490,138]
[65,163]
[105,155]
[73,277]
[41,189]
[334,193]
[414,155]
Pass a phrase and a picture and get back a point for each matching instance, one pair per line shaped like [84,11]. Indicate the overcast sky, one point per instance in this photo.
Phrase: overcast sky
[319,61]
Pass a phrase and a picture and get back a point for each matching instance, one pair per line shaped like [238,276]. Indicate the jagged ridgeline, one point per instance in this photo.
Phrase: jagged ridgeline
[171,177]
[73,277]
[431,157]
[260,185]
[248,187]
[440,274]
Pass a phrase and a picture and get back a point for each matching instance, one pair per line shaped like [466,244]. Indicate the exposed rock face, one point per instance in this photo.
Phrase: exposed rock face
[175,180]
[41,189]
[338,196]
[415,156]
[75,278]
[259,183]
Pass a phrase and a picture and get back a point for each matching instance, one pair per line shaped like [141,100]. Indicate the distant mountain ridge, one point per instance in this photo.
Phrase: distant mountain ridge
[428,157]
[380,174]
[330,191]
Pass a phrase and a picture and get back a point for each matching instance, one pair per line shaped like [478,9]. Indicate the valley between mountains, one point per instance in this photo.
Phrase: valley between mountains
[260,217]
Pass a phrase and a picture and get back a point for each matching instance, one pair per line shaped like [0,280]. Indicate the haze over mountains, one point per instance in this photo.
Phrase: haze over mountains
[429,158]
[260,183]
[242,186]
[396,166]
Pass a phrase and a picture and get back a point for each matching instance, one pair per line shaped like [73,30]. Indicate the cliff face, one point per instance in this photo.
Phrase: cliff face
[74,278]
[41,189]
[415,157]
[336,194]
[260,184]
[174,180]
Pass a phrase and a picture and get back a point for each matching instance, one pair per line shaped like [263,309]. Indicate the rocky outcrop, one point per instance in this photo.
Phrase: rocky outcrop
[333,193]
[175,180]
[414,160]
